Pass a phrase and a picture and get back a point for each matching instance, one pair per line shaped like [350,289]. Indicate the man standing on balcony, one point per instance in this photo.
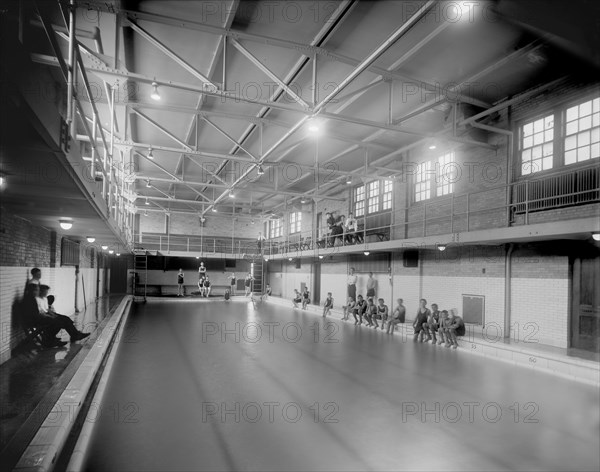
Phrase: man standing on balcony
[259,242]
[351,281]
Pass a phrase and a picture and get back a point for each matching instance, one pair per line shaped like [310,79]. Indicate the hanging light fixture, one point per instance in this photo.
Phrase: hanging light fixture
[231,195]
[349,180]
[441,247]
[65,223]
[260,171]
[155,95]
[366,253]
[90,239]
[214,209]
[104,247]
[150,155]
[145,213]
[148,185]
[111,252]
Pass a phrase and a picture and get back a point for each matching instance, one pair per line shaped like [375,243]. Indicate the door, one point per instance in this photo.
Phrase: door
[585,312]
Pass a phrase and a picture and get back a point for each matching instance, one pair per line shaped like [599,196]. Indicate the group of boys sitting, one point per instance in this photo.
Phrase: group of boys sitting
[446,325]
[204,286]
[366,311]
[38,313]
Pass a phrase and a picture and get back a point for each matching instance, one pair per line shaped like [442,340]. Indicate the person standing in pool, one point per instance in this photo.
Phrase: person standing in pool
[248,284]
[180,287]
[232,283]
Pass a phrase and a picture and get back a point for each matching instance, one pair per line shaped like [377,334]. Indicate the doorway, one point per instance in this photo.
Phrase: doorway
[585,310]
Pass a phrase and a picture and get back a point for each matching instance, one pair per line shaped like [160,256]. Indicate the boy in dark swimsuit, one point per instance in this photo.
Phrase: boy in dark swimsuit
[423,313]
[328,304]
[359,309]
[382,313]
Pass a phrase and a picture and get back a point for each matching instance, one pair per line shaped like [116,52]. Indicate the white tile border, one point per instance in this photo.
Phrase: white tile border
[45,447]
[572,368]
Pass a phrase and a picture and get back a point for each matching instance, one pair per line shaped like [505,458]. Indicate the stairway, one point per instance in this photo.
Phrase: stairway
[140,277]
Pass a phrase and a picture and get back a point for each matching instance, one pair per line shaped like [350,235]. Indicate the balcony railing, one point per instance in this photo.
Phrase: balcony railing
[484,209]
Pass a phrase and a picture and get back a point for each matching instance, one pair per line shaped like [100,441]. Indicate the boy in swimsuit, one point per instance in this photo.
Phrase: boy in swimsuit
[305,298]
[348,308]
[359,309]
[382,313]
[328,304]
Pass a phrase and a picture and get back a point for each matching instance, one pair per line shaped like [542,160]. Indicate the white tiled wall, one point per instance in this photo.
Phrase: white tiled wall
[544,304]
[62,285]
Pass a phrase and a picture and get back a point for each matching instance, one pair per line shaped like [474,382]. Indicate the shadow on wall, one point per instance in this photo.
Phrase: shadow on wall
[17,333]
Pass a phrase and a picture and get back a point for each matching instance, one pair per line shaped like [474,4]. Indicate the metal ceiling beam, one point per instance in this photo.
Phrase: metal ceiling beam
[254,189]
[268,73]
[230,138]
[306,49]
[162,129]
[170,53]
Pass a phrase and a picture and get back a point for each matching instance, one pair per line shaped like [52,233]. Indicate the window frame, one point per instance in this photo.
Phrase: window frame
[275,228]
[295,222]
[363,190]
[559,110]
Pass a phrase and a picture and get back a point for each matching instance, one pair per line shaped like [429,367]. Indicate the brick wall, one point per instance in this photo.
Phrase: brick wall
[190,225]
[540,289]
[24,246]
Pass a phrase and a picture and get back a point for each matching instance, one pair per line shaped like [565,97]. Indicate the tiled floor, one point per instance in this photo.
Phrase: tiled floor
[32,379]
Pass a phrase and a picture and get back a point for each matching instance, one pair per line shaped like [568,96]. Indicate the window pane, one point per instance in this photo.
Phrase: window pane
[572,113]
[570,157]
[538,126]
[585,109]
[572,127]
[528,129]
[547,150]
[570,143]
[585,123]
[595,152]
[583,139]
[583,154]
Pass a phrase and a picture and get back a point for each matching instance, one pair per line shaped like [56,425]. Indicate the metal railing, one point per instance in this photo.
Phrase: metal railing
[494,207]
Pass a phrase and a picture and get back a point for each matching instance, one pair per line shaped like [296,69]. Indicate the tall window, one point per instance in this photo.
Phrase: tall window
[295,222]
[423,182]
[536,146]
[376,196]
[582,132]
[373,193]
[577,132]
[445,174]
[275,227]
[359,201]
[387,194]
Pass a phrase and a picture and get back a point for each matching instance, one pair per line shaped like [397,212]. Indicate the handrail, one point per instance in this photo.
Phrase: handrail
[443,215]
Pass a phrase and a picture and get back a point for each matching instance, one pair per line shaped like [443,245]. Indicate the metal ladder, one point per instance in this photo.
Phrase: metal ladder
[259,277]
[140,267]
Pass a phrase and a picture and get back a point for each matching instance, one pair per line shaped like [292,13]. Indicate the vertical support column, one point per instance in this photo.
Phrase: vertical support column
[111,154]
[314,79]
[72,72]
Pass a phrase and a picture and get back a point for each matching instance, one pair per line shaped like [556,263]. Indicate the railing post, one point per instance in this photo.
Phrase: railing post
[452,214]
[214,245]
[424,219]
[468,210]
[527,202]
[188,244]
[160,242]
